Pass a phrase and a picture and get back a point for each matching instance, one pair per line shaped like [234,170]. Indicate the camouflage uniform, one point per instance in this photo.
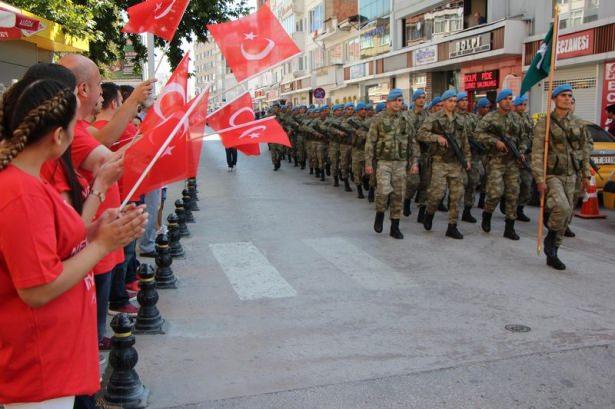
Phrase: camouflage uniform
[391,141]
[567,160]
[358,147]
[446,169]
[502,168]
[419,183]
[346,147]
[472,176]
[525,175]
[333,148]
[276,149]
[300,141]
[320,143]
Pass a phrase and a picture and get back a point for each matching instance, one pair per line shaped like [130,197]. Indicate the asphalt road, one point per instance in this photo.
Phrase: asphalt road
[288,299]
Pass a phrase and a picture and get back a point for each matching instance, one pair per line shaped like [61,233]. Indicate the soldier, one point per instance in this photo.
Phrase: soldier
[332,123]
[322,141]
[435,105]
[472,175]
[502,166]
[308,134]
[446,134]
[418,182]
[276,149]
[525,175]
[361,124]
[346,145]
[483,107]
[391,141]
[300,149]
[567,160]
[370,110]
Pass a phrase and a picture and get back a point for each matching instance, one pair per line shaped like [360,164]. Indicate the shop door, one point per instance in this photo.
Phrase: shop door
[583,82]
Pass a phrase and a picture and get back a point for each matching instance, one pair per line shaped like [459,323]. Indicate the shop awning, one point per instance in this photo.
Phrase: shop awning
[17,24]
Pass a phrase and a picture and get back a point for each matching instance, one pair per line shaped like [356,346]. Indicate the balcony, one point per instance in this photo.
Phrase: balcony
[299,39]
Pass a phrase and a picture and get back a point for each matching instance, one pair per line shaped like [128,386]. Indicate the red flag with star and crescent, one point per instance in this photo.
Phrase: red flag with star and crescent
[196,125]
[159,17]
[172,98]
[237,112]
[266,130]
[254,43]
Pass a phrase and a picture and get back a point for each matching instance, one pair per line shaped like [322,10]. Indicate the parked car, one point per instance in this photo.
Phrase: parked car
[603,154]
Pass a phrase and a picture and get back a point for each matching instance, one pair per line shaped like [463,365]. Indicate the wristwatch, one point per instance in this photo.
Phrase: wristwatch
[99,195]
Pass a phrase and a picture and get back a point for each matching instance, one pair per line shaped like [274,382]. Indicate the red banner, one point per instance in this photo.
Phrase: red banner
[608,90]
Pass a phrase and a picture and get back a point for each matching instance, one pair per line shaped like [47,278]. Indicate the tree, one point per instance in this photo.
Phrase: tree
[100,22]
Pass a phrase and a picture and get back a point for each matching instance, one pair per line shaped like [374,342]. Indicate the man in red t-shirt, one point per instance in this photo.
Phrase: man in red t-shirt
[89,151]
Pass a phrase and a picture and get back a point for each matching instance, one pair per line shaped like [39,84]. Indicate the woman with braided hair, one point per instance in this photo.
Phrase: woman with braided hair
[48,349]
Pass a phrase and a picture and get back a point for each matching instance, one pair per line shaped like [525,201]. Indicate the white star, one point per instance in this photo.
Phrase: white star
[168,151]
[254,135]
[250,36]
[158,7]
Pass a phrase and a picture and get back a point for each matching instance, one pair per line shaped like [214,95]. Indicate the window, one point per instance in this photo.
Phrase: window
[373,9]
[289,24]
[576,12]
[316,18]
[353,50]
[299,25]
[335,54]
[317,58]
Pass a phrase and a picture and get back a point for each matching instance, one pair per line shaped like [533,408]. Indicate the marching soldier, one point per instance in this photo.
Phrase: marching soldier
[418,183]
[346,145]
[567,160]
[472,175]
[361,124]
[276,149]
[321,143]
[446,134]
[483,107]
[332,123]
[500,133]
[525,175]
[371,194]
[300,138]
[391,141]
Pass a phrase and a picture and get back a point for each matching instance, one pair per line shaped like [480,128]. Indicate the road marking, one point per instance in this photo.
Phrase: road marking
[367,271]
[249,272]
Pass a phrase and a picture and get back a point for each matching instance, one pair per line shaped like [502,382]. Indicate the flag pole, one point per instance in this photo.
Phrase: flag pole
[164,53]
[161,150]
[231,128]
[548,127]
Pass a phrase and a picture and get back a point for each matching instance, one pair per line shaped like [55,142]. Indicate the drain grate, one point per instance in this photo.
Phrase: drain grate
[517,328]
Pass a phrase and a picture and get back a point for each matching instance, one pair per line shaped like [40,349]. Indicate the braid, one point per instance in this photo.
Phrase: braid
[51,109]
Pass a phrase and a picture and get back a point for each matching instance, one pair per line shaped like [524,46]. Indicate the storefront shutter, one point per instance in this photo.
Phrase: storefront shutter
[583,81]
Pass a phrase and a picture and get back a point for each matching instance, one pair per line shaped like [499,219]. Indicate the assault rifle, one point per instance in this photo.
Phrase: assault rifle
[452,143]
[510,145]
[477,147]
[358,125]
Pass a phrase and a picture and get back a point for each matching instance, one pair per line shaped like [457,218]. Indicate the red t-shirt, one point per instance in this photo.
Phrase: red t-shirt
[50,351]
[53,173]
[83,144]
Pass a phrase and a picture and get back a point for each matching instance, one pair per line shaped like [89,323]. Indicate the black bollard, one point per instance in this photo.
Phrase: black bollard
[193,199]
[124,387]
[181,218]
[177,250]
[187,201]
[165,278]
[149,320]
[192,186]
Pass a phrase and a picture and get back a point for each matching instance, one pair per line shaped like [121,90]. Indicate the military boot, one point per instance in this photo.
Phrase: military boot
[569,233]
[502,205]
[328,168]
[421,217]
[407,210]
[371,195]
[296,163]
[428,221]
[395,233]
[366,182]
[467,216]
[453,232]
[312,171]
[486,223]
[509,230]
[336,180]
[481,201]
[322,175]
[276,166]
[521,216]
[378,222]
[442,207]
[550,250]
[360,192]
[303,165]
[347,187]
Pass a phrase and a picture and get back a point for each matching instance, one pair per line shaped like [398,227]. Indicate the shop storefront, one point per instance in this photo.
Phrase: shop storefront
[485,78]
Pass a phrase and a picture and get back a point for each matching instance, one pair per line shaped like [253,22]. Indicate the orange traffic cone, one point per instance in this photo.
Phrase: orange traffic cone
[590,208]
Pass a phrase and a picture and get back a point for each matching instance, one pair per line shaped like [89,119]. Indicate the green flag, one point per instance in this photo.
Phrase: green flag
[541,64]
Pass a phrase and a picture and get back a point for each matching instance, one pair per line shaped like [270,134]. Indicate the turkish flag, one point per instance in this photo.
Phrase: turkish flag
[170,167]
[254,43]
[197,122]
[172,98]
[159,17]
[266,130]
[239,111]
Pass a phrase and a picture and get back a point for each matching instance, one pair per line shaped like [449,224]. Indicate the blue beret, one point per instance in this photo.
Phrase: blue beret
[518,101]
[417,94]
[370,107]
[361,105]
[394,94]
[483,103]
[337,106]
[505,93]
[560,89]
[448,94]
[462,95]
[380,106]
[411,106]
[436,100]
[312,106]
[348,105]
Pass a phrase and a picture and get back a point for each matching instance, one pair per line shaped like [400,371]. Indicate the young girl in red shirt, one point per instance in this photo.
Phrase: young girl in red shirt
[48,348]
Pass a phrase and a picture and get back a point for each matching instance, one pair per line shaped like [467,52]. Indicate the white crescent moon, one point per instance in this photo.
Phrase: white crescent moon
[169,89]
[165,12]
[256,57]
[255,128]
[233,117]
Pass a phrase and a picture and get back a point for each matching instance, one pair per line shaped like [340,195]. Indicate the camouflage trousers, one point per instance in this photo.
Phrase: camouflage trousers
[345,160]
[472,179]
[502,181]
[276,152]
[418,184]
[358,165]
[334,154]
[300,148]
[391,184]
[443,175]
[310,154]
[525,187]
[321,154]
[559,203]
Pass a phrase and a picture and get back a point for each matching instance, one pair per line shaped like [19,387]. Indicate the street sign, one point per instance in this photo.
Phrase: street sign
[319,93]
